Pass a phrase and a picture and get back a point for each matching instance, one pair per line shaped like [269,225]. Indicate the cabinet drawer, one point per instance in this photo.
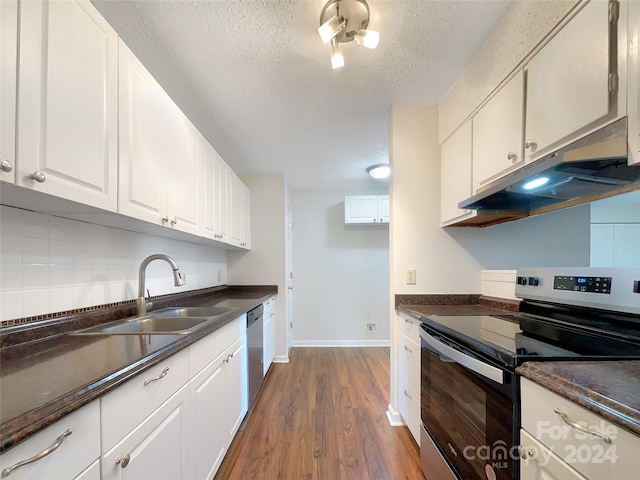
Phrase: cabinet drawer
[75,453]
[128,405]
[206,349]
[409,361]
[269,304]
[410,327]
[409,406]
[539,463]
[588,454]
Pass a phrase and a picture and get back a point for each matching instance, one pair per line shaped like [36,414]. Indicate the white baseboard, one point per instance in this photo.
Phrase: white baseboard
[395,419]
[281,359]
[341,343]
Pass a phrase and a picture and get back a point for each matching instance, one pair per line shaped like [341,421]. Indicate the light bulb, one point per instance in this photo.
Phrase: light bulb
[535,183]
[367,38]
[331,28]
[337,59]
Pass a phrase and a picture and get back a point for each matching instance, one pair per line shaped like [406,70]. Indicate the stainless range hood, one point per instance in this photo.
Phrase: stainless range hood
[590,168]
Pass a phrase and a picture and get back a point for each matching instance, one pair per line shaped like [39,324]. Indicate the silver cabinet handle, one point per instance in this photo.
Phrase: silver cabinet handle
[512,156]
[174,221]
[7,471]
[408,349]
[565,418]
[408,321]
[406,394]
[123,461]
[530,144]
[155,379]
[38,176]
[5,165]
[165,220]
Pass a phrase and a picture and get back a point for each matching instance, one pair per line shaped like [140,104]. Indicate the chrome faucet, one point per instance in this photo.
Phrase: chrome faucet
[178,278]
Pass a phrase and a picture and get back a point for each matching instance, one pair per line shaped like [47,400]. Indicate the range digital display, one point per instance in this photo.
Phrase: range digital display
[582,284]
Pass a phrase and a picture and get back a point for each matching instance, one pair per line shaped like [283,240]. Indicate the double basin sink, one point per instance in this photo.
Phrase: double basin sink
[167,321]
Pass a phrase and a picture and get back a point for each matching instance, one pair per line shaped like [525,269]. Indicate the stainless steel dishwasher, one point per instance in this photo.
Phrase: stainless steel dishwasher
[255,349]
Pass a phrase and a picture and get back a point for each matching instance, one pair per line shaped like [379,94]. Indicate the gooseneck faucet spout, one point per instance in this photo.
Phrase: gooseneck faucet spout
[178,279]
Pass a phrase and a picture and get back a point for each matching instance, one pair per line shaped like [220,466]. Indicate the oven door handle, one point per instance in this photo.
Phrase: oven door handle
[478,366]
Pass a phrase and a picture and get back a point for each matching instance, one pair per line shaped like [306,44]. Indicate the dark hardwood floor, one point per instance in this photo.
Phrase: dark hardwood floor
[322,417]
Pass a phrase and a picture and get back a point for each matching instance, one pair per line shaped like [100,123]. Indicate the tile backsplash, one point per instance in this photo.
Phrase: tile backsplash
[51,264]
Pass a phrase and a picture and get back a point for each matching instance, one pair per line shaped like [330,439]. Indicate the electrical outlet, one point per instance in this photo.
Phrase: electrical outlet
[411,276]
[370,327]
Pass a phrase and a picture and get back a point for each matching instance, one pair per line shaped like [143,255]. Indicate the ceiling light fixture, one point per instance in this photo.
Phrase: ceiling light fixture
[380,171]
[343,21]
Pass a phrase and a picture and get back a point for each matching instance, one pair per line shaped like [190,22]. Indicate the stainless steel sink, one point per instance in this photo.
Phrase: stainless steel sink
[168,321]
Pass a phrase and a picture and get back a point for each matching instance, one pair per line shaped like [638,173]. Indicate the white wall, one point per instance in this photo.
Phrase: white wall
[340,273]
[51,264]
[265,263]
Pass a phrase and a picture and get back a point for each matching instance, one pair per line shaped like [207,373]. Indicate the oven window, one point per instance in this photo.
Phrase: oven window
[468,417]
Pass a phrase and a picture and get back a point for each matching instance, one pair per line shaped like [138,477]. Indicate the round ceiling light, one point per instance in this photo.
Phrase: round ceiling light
[380,171]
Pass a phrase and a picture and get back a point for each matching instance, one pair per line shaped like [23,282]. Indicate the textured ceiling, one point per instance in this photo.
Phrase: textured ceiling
[256,80]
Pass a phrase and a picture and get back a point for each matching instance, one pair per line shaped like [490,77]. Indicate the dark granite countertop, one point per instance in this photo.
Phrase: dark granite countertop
[43,380]
[610,389]
[442,305]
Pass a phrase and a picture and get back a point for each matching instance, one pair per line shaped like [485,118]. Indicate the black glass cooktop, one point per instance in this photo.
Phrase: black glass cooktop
[510,340]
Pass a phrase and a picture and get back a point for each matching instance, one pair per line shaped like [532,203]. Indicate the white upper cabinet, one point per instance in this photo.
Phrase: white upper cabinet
[498,132]
[568,81]
[68,93]
[238,211]
[8,65]
[633,98]
[455,175]
[366,209]
[160,152]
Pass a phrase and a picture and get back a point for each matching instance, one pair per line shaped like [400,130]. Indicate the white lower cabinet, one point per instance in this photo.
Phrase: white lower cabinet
[557,425]
[157,449]
[269,347]
[409,378]
[92,472]
[218,397]
[77,437]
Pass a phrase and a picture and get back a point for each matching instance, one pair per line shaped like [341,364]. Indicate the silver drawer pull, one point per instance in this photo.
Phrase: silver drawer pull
[407,320]
[155,379]
[580,428]
[406,394]
[7,471]
[123,461]
[526,453]
[408,349]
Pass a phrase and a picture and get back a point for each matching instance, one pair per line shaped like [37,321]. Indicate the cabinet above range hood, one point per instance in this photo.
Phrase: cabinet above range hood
[588,169]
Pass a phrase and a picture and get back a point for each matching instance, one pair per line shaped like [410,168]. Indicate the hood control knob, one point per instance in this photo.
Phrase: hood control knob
[521,280]
[533,281]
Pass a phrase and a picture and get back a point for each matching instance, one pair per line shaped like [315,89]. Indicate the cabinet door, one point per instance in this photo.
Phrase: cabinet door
[361,209]
[383,208]
[91,473]
[237,386]
[269,349]
[209,200]
[143,168]
[67,133]
[568,80]
[246,216]
[74,453]
[222,200]
[539,463]
[158,448]
[184,174]
[235,220]
[498,133]
[8,72]
[209,419]
[455,175]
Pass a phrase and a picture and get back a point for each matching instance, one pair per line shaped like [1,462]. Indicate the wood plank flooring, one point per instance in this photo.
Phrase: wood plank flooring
[322,417]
